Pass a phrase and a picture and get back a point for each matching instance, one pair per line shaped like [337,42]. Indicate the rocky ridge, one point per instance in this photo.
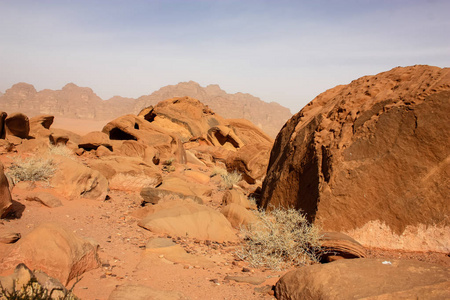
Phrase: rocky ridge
[77,102]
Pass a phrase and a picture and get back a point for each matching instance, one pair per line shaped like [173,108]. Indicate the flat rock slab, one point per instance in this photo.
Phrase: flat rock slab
[46,199]
[55,250]
[142,292]
[154,195]
[167,249]
[366,278]
[182,218]
[247,279]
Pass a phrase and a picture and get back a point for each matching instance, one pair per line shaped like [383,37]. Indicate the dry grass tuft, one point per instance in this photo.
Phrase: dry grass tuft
[61,150]
[280,239]
[31,169]
[230,179]
[218,171]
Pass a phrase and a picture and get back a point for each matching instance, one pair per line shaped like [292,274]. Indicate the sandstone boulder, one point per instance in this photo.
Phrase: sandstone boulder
[17,124]
[223,136]
[369,159]
[103,151]
[63,134]
[57,251]
[236,197]
[74,180]
[197,176]
[5,194]
[40,125]
[44,121]
[189,219]
[46,199]
[113,166]
[130,127]
[183,116]
[249,133]
[8,237]
[238,215]
[3,116]
[366,279]
[57,140]
[154,195]
[178,185]
[251,161]
[337,245]
[93,140]
[133,148]
[269,116]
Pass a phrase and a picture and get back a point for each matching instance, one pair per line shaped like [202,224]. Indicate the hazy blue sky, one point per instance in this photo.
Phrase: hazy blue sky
[283,51]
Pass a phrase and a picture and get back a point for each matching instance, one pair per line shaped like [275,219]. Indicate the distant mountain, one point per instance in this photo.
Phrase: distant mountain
[71,101]
[77,102]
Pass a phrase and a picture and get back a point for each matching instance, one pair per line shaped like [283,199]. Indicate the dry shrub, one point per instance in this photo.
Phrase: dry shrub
[230,179]
[279,239]
[31,169]
[33,290]
[61,150]
[218,171]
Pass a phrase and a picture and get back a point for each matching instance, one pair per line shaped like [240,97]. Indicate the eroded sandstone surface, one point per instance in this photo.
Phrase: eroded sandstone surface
[372,159]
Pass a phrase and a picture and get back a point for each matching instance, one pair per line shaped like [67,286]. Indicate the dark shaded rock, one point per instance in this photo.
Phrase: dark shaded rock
[368,159]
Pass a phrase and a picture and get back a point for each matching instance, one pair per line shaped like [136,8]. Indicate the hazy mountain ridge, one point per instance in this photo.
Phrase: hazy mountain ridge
[77,102]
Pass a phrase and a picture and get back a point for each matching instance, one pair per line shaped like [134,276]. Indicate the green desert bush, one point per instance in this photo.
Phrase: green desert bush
[31,169]
[230,179]
[281,238]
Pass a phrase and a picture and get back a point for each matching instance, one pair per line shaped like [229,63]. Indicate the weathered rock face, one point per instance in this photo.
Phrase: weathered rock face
[250,161]
[268,116]
[371,159]
[54,250]
[3,116]
[40,125]
[94,139]
[75,180]
[184,116]
[130,127]
[366,279]
[5,195]
[17,124]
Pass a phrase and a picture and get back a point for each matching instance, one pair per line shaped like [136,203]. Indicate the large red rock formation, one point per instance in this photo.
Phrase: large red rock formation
[371,159]
[268,116]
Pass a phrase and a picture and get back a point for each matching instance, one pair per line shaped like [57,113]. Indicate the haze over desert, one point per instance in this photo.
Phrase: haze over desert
[224,150]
